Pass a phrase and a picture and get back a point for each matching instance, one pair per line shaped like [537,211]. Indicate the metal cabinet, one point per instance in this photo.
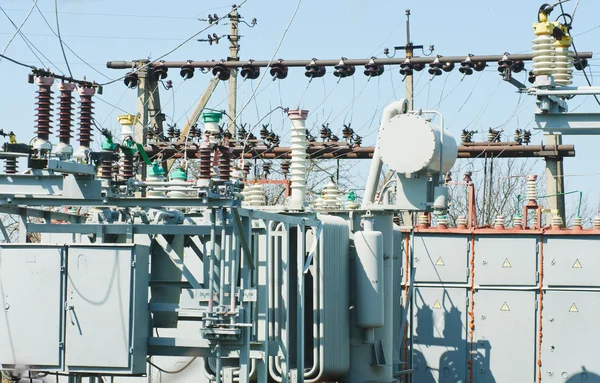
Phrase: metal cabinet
[504,260]
[31,289]
[441,258]
[572,261]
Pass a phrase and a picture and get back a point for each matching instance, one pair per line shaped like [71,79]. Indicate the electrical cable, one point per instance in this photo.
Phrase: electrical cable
[180,45]
[573,45]
[62,48]
[25,39]
[67,46]
[173,371]
[19,28]
[17,62]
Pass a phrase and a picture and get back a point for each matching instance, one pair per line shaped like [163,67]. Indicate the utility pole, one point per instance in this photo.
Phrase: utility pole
[555,182]
[234,49]
[409,53]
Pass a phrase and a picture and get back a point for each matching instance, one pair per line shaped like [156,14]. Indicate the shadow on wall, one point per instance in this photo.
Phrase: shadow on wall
[583,376]
[441,352]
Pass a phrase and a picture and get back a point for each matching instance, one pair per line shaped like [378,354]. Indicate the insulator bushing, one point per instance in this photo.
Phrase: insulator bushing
[249,71]
[159,72]
[448,66]
[204,154]
[278,70]
[335,138]
[264,132]
[419,67]
[187,72]
[106,169]
[406,68]
[44,107]
[504,64]
[221,71]
[246,169]
[193,131]
[131,80]
[285,167]
[65,112]
[372,69]
[479,66]
[314,71]
[347,132]
[343,70]
[10,165]
[127,168]
[224,164]
[580,64]
[517,66]
[435,68]
[171,132]
[86,112]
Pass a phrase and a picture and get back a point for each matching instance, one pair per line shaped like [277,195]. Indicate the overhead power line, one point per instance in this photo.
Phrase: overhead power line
[62,48]
[112,14]
[19,28]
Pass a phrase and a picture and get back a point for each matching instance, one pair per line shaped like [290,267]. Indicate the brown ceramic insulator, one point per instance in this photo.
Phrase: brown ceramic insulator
[65,112]
[44,112]
[85,121]
[127,168]
[10,166]
[205,162]
[106,169]
[225,165]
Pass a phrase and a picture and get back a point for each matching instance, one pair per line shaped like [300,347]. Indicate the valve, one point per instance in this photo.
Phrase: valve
[159,72]
[342,70]
[221,71]
[313,70]
[131,80]
[187,71]
[372,69]
[250,71]
[278,70]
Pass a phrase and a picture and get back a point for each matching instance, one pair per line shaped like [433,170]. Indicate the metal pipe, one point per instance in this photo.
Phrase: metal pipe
[509,150]
[211,271]
[234,254]
[330,62]
[222,258]
[301,252]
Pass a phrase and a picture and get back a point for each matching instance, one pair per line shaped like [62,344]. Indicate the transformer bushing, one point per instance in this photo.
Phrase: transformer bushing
[65,116]
[44,113]
[86,113]
[10,165]
[204,154]
[298,162]
[225,164]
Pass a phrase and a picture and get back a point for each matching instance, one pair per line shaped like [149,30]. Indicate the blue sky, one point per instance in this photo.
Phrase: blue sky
[103,30]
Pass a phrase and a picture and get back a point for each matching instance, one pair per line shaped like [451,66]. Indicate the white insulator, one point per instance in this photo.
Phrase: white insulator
[211,129]
[518,221]
[442,221]
[461,221]
[298,161]
[499,222]
[596,223]
[557,222]
[156,193]
[578,222]
[531,188]
[544,55]
[331,196]
[254,195]
[564,67]
[319,203]
[423,220]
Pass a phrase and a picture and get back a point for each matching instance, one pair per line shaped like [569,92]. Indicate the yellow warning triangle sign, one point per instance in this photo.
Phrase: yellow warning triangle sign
[506,263]
[573,308]
[437,305]
[577,264]
[504,307]
[440,262]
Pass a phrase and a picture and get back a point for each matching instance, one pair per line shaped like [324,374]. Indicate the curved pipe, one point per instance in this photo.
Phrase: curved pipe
[394,109]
